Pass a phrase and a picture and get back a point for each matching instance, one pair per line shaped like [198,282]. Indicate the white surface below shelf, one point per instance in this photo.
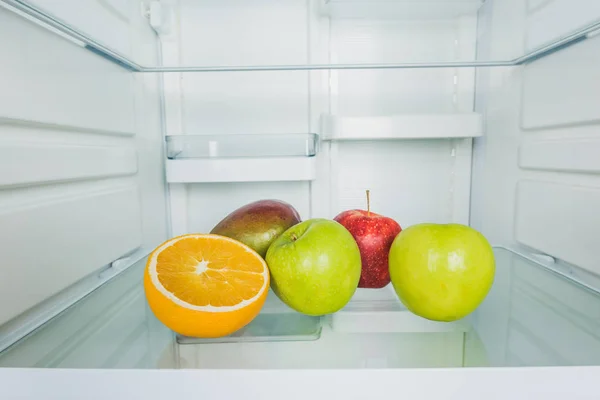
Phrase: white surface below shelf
[448,384]
[241,169]
[410,126]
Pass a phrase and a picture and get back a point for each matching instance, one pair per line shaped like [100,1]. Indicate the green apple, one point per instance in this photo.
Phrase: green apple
[441,272]
[315,266]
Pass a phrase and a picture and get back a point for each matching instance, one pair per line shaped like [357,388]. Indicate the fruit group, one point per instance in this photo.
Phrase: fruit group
[315,267]
[205,285]
[258,224]
[374,235]
[441,272]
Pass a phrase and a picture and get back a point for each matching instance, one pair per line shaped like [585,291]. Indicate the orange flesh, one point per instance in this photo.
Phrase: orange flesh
[205,271]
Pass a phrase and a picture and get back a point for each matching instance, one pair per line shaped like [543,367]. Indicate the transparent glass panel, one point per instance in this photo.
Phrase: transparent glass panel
[269,327]
[235,146]
[110,328]
[534,317]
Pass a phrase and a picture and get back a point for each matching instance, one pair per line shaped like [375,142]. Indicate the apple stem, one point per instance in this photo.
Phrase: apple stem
[294,237]
[368,203]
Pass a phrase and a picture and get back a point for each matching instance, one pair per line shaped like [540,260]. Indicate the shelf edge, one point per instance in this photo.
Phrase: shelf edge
[241,170]
[416,126]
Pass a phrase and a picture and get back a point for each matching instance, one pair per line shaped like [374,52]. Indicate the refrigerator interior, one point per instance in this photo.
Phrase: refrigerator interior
[480,113]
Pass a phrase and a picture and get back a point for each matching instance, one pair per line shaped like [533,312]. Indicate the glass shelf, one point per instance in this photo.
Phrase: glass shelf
[120,33]
[241,158]
[533,316]
[275,323]
[181,147]
[407,126]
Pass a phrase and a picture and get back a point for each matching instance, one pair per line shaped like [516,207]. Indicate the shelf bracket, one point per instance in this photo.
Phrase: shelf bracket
[160,17]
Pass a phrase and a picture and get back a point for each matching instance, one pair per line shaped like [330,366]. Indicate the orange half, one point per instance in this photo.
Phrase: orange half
[204,285]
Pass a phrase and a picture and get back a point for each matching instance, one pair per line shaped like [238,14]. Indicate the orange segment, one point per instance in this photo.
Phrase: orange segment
[205,285]
[206,271]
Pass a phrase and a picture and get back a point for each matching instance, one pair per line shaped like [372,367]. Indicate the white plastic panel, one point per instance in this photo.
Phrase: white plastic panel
[402,126]
[392,92]
[580,155]
[533,5]
[563,88]
[536,171]
[415,9]
[119,24]
[257,32]
[49,80]
[555,213]
[275,102]
[63,162]
[241,170]
[559,220]
[359,39]
[465,384]
[551,19]
[81,181]
[253,29]
[54,241]
[458,384]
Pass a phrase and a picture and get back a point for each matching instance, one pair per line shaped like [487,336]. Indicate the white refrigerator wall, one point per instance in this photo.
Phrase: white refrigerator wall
[536,181]
[81,163]
[121,25]
[410,180]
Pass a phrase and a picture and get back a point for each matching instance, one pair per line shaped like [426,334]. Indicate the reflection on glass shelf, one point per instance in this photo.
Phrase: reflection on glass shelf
[275,323]
[241,146]
[269,328]
[536,317]
[111,328]
[532,317]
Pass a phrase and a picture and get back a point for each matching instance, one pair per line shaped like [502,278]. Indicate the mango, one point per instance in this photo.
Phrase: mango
[258,224]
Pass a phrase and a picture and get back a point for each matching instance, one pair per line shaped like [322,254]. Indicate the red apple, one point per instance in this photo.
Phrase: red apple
[374,235]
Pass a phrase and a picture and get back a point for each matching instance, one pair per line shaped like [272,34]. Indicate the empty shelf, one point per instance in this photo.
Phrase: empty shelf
[241,158]
[241,146]
[242,170]
[411,126]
